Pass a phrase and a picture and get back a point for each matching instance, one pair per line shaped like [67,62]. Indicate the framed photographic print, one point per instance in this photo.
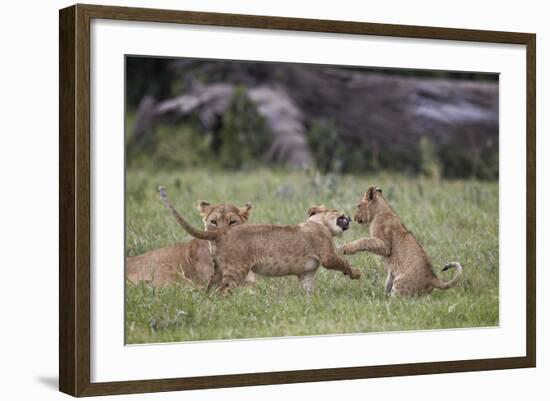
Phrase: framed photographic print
[250,200]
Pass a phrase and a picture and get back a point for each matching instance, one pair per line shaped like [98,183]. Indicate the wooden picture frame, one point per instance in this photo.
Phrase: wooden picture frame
[74,202]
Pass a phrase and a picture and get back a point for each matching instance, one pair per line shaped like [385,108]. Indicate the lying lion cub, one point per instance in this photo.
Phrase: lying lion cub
[409,269]
[273,250]
[191,260]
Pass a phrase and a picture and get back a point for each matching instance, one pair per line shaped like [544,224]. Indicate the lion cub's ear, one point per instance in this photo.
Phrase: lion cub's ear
[315,209]
[204,208]
[371,191]
[245,211]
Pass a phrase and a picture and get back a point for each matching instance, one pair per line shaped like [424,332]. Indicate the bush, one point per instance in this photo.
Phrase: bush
[326,146]
[244,134]
[181,146]
[463,163]
[430,165]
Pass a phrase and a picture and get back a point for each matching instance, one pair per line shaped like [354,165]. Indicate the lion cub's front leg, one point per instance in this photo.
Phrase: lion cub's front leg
[215,280]
[334,262]
[373,245]
[233,276]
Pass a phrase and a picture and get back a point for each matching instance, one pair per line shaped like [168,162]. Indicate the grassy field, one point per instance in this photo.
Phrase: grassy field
[453,220]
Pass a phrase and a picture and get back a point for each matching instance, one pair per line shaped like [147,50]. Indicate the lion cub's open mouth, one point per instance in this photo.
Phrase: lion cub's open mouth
[343,222]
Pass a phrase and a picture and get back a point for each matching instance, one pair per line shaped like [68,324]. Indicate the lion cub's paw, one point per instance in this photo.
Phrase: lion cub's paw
[355,274]
[345,250]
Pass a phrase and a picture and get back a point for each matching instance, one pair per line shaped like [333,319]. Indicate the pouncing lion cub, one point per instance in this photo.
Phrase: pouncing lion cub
[190,260]
[273,250]
[409,268]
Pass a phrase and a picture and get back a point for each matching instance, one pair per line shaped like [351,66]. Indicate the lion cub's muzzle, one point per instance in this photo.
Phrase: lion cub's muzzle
[343,222]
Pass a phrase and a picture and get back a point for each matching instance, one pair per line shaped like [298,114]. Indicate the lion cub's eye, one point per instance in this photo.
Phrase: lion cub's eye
[232,222]
[214,222]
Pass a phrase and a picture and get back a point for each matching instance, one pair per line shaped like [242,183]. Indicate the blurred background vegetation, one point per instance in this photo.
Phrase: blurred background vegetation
[185,113]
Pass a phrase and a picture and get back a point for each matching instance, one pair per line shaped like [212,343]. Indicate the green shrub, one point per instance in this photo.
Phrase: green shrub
[244,134]
[181,146]
[489,168]
[464,164]
[430,165]
[326,146]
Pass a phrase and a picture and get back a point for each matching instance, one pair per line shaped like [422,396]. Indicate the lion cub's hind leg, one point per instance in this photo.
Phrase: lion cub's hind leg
[308,281]
[389,283]
[398,289]
[251,279]
[408,287]
[307,277]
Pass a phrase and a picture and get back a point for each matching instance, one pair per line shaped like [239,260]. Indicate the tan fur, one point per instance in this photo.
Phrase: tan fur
[409,268]
[273,250]
[190,260]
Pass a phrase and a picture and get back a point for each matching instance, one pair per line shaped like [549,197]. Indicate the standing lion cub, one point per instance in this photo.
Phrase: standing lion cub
[189,260]
[272,250]
[409,269]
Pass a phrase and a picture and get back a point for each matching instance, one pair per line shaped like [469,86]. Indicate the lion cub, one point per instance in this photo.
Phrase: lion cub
[273,250]
[409,269]
[191,260]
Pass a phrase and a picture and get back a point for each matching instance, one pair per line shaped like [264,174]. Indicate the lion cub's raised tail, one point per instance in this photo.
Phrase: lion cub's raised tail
[445,285]
[200,234]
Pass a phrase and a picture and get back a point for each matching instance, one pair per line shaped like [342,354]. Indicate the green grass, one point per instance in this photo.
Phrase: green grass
[453,220]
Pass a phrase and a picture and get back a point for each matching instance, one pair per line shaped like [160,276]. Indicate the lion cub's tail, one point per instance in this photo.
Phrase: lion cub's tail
[200,234]
[445,285]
